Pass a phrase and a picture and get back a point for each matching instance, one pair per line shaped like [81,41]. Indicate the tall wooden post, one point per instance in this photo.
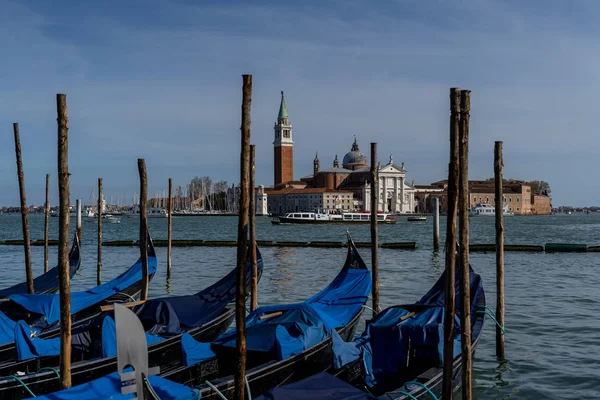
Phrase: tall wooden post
[436,224]
[64,287]
[143,226]
[170,228]
[374,235]
[242,244]
[24,214]
[465,281]
[498,165]
[99,216]
[46,215]
[252,249]
[450,289]
[78,213]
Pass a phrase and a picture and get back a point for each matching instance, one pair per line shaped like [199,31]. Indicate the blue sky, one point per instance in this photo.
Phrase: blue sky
[162,80]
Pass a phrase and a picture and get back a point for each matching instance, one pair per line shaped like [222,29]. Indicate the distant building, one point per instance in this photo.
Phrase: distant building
[540,204]
[342,187]
[517,196]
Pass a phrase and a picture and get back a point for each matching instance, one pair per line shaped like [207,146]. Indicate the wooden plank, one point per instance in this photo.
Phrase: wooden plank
[111,307]
[267,316]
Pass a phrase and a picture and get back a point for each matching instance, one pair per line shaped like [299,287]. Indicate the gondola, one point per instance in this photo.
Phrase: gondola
[284,342]
[41,312]
[47,283]
[398,356]
[202,316]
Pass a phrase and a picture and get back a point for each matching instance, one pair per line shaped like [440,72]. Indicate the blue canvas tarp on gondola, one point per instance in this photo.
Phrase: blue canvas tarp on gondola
[28,345]
[172,315]
[48,305]
[109,387]
[48,281]
[286,330]
[319,386]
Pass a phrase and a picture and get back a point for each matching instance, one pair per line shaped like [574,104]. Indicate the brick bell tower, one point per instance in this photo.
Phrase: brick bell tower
[283,146]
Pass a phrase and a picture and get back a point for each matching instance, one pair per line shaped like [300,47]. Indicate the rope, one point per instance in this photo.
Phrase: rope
[216,390]
[369,308]
[489,309]
[406,394]
[22,384]
[248,388]
[50,369]
[423,386]
[493,319]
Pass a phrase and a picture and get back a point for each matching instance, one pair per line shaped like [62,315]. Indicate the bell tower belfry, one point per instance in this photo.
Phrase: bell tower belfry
[283,146]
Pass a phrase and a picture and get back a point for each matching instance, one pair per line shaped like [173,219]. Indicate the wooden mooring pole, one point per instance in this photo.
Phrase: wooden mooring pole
[252,244]
[436,224]
[374,235]
[46,215]
[242,245]
[78,213]
[450,289]
[498,166]
[63,241]
[465,281]
[170,228]
[143,226]
[99,216]
[24,213]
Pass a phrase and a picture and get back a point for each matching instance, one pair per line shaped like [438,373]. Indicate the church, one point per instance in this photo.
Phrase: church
[341,187]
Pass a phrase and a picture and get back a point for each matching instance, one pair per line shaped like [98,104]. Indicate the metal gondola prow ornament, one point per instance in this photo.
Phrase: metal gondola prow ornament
[132,351]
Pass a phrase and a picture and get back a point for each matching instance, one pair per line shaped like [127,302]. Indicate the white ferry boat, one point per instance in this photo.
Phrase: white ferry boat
[489,210]
[327,218]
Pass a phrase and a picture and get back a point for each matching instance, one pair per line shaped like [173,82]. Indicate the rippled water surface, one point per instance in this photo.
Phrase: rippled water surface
[552,300]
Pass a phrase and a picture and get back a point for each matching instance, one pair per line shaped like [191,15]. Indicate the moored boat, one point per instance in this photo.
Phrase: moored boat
[489,210]
[399,356]
[329,218]
[417,218]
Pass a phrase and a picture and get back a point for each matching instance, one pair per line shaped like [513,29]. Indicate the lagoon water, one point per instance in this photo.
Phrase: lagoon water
[552,300]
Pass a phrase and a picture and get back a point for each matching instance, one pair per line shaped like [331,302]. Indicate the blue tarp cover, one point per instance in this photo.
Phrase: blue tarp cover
[194,351]
[109,387]
[48,305]
[391,341]
[33,347]
[109,338]
[301,325]
[321,386]
[171,315]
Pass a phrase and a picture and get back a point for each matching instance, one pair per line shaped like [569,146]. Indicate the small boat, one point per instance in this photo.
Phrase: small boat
[47,283]
[201,316]
[111,219]
[41,312]
[328,218]
[417,218]
[398,356]
[152,212]
[488,210]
